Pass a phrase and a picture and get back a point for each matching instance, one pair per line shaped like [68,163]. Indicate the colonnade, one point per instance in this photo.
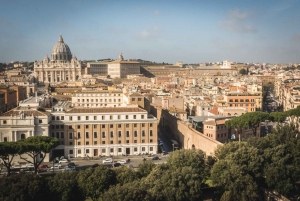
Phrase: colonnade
[57,75]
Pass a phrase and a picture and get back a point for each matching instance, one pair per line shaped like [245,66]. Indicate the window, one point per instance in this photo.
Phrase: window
[143,141]
[53,118]
[143,133]
[63,118]
[134,125]
[70,136]
[78,135]
[87,134]
[70,127]
[103,117]
[78,117]
[133,99]
[119,133]
[151,133]
[119,149]
[134,116]
[103,126]
[57,127]
[103,142]
[139,99]
[79,151]
[52,134]
[62,135]
[70,151]
[95,142]
[70,143]
[57,134]
[135,134]
[119,125]
[126,116]
[111,125]
[40,121]
[135,148]
[61,126]
[95,117]
[142,116]
[103,134]
[5,139]
[119,141]
[143,148]
[87,118]
[78,143]
[151,148]
[71,118]
[135,141]
[127,134]
[111,150]
[95,135]
[86,126]
[151,140]
[111,142]
[78,100]
[150,124]
[119,116]
[143,125]
[110,117]
[95,126]
[127,125]
[87,143]
[111,134]
[127,141]
[78,126]
[87,151]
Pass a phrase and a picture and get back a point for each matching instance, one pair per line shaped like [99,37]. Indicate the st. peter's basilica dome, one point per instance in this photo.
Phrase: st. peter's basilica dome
[61,51]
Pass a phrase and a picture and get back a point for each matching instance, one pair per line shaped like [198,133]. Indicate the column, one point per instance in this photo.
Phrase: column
[60,77]
[52,76]
[63,75]
[74,78]
[15,136]
[55,76]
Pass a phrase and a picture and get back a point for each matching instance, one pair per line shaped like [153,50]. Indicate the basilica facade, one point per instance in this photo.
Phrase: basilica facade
[63,66]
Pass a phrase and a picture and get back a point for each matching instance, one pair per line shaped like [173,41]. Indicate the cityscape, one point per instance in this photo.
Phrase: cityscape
[147,116]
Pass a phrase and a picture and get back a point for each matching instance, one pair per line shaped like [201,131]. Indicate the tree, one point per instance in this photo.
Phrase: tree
[125,175]
[65,187]
[117,81]
[36,148]
[278,117]
[239,173]
[8,150]
[144,169]
[243,71]
[95,181]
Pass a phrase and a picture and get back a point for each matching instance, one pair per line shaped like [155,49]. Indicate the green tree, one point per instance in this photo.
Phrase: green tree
[95,181]
[64,186]
[243,71]
[239,173]
[125,175]
[145,168]
[8,150]
[278,117]
[36,148]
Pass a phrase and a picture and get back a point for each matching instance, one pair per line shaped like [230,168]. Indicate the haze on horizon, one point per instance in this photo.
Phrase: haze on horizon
[162,31]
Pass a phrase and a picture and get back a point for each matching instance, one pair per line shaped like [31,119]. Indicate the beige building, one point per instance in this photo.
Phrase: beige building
[61,67]
[104,131]
[99,68]
[121,68]
[98,98]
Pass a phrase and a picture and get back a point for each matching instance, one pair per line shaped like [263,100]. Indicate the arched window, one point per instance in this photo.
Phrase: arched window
[193,146]
[23,136]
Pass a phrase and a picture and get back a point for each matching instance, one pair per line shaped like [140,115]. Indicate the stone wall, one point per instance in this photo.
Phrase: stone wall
[183,132]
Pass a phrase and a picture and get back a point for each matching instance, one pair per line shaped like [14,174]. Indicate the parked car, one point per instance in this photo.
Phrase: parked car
[155,158]
[71,165]
[108,160]
[64,160]
[69,169]
[43,168]
[122,161]
[56,166]
[116,165]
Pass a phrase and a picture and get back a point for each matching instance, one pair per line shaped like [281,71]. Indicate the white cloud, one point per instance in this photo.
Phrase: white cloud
[237,21]
[148,34]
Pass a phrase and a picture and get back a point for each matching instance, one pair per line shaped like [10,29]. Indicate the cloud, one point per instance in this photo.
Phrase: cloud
[155,12]
[149,34]
[236,21]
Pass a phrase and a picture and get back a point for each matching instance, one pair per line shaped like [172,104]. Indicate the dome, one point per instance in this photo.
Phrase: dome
[61,51]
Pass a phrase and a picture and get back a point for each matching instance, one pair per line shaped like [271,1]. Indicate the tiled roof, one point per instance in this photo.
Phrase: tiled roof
[26,112]
[105,110]
[214,111]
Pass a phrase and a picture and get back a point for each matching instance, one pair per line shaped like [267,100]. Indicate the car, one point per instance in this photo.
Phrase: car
[69,169]
[95,165]
[56,166]
[108,160]
[165,153]
[122,161]
[116,164]
[71,165]
[43,168]
[64,160]
[155,158]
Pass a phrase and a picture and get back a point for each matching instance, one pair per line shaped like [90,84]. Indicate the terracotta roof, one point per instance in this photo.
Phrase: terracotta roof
[214,111]
[105,110]
[26,112]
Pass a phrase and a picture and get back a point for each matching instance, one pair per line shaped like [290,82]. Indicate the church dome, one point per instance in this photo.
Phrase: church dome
[61,51]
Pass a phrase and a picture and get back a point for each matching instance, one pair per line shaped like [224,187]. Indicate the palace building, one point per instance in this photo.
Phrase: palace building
[63,66]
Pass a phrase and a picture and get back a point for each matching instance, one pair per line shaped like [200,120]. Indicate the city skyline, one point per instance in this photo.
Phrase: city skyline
[160,31]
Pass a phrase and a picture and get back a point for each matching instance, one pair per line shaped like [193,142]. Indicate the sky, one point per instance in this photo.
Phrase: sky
[191,31]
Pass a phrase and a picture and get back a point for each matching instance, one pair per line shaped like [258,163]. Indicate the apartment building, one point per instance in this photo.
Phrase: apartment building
[104,131]
[251,101]
[98,98]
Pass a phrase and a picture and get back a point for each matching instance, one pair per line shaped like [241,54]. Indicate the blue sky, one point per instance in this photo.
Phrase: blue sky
[162,31]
